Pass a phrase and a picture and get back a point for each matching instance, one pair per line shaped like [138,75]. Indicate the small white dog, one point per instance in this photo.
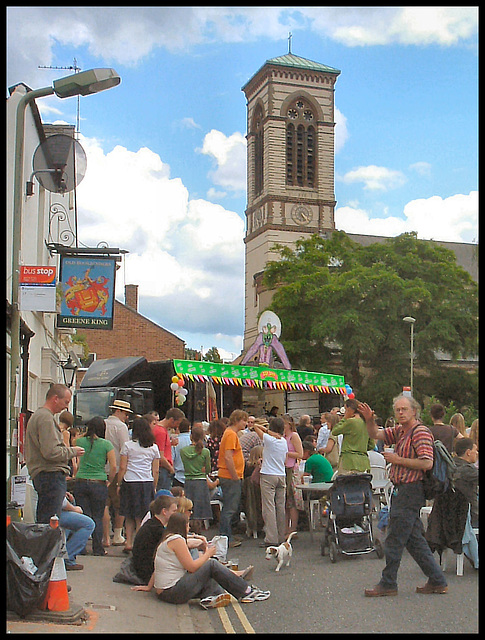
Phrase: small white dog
[282,552]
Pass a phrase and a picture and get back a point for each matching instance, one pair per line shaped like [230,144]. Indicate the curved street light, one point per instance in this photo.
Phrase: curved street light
[83,84]
[411,321]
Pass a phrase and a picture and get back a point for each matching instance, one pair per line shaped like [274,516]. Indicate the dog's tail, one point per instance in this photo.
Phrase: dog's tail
[290,536]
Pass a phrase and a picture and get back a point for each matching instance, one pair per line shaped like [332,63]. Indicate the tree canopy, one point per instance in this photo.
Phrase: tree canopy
[342,304]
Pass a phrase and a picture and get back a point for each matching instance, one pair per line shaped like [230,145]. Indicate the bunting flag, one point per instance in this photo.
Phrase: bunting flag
[256,377]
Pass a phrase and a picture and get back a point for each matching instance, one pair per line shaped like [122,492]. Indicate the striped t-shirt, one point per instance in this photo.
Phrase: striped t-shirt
[416,442]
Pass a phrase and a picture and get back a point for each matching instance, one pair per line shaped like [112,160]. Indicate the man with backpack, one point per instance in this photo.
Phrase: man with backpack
[411,458]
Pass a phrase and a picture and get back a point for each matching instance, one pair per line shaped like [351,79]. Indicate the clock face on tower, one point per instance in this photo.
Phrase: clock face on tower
[301,214]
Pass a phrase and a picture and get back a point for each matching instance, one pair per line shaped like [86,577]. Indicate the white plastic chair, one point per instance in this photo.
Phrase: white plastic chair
[381,485]
[316,508]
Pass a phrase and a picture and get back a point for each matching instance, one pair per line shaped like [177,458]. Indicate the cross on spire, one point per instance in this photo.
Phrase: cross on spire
[289,41]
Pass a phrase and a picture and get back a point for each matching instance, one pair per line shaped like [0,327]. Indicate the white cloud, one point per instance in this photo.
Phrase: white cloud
[372,26]
[341,131]
[126,35]
[229,154]
[422,168]
[187,256]
[189,123]
[375,178]
[453,219]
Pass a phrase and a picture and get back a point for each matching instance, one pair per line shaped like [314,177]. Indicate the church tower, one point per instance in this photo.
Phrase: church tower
[290,166]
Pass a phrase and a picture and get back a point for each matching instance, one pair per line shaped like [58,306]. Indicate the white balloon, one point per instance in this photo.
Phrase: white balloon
[174,386]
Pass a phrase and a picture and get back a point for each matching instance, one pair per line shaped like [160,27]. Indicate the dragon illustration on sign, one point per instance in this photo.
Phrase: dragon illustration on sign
[269,327]
[86,294]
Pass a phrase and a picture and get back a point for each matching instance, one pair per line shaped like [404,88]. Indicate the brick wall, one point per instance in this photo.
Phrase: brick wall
[134,335]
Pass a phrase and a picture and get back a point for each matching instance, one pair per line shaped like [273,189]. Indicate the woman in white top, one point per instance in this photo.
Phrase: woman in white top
[137,477]
[273,481]
[178,578]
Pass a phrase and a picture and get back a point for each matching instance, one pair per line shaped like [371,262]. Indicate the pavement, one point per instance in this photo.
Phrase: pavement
[311,595]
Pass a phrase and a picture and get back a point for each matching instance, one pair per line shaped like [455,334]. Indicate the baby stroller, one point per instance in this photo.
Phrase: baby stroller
[349,525]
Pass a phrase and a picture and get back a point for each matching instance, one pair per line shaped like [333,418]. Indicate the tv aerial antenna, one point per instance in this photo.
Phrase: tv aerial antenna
[76,69]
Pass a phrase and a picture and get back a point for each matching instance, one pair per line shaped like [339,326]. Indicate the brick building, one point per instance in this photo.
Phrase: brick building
[133,335]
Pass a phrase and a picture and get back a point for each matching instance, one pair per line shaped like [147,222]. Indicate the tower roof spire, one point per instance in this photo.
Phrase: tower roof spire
[290,35]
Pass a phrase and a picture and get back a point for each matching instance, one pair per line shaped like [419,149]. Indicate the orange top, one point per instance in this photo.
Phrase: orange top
[230,441]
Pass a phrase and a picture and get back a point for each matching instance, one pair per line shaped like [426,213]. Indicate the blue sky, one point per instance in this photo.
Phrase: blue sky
[167,153]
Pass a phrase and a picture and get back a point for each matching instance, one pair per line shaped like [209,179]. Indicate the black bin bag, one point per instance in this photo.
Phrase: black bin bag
[28,579]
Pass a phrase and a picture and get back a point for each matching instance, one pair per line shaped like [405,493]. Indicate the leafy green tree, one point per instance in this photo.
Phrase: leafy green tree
[192,354]
[212,355]
[341,305]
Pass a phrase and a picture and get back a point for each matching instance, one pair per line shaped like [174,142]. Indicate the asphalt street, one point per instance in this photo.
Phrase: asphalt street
[312,595]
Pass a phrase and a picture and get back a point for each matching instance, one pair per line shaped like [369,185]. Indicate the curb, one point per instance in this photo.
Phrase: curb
[74,615]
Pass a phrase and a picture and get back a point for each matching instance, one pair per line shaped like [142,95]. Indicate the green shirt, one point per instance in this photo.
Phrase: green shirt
[196,465]
[92,465]
[319,467]
[355,444]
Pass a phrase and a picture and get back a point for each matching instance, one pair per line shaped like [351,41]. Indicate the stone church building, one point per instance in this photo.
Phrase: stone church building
[290,170]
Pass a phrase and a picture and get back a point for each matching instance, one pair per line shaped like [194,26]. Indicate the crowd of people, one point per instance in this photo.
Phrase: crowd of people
[151,485]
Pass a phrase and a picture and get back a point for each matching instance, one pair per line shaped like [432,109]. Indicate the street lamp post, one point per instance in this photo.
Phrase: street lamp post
[85,83]
[411,321]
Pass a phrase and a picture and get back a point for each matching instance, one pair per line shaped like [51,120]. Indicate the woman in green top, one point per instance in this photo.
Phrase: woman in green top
[356,441]
[91,484]
[196,459]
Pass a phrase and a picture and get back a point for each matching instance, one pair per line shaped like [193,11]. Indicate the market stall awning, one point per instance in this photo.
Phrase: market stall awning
[260,377]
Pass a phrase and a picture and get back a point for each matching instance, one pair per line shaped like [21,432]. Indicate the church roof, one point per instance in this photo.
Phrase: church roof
[290,60]
[295,62]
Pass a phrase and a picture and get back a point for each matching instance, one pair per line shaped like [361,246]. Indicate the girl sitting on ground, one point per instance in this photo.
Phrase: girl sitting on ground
[178,578]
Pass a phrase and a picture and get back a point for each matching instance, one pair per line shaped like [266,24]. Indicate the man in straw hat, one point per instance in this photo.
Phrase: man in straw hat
[117,433]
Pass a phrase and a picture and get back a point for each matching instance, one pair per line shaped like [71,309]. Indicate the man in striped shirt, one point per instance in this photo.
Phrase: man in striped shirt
[412,456]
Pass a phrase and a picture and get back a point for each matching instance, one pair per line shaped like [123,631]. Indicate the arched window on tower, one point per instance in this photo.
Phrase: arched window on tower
[301,145]
[258,150]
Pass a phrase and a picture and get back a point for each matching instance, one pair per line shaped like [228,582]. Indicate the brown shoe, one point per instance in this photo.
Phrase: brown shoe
[430,588]
[378,591]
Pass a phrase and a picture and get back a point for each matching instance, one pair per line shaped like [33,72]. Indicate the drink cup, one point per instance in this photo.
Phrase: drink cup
[235,564]
[307,479]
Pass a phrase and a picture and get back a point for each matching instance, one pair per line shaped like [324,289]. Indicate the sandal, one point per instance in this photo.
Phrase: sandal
[247,573]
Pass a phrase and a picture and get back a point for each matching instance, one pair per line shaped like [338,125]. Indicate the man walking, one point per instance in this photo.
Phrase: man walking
[117,433]
[46,454]
[231,472]
[412,456]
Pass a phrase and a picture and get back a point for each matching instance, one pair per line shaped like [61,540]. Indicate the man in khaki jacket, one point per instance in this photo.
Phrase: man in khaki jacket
[46,454]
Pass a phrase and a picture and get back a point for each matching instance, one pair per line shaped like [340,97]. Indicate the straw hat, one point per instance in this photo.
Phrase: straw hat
[261,422]
[122,405]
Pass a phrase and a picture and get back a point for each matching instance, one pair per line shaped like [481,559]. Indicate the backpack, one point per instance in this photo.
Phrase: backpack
[438,479]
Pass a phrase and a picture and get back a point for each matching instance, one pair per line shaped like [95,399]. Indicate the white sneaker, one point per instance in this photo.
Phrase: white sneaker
[212,602]
[255,595]
[118,540]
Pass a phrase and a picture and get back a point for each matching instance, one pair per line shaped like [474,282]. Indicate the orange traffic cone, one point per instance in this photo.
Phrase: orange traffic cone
[57,597]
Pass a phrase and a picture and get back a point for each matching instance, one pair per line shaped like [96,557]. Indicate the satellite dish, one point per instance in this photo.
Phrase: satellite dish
[59,163]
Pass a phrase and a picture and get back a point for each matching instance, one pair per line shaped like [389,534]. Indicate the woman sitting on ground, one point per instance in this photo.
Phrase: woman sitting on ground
[178,578]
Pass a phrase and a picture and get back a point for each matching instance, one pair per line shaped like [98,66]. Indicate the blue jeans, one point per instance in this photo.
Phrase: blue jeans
[51,490]
[164,479]
[470,542]
[91,496]
[78,528]
[406,531]
[231,497]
